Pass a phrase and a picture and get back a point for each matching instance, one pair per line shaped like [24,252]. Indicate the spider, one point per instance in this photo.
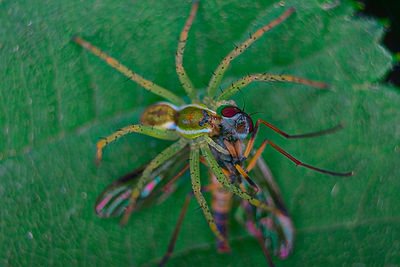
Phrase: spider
[212,125]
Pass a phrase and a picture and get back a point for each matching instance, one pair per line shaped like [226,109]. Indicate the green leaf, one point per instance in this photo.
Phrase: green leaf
[57,100]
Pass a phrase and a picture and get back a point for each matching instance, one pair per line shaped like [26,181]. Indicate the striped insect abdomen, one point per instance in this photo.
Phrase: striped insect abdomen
[221,206]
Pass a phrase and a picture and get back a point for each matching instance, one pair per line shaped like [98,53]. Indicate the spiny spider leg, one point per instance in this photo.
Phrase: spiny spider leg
[307,135]
[142,129]
[183,77]
[157,161]
[150,86]
[221,178]
[196,186]
[264,77]
[223,66]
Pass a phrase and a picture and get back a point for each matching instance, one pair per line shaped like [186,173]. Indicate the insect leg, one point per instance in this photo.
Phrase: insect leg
[223,66]
[142,129]
[195,176]
[247,178]
[157,161]
[183,77]
[314,134]
[297,162]
[236,151]
[150,86]
[221,178]
[264,77]
[172,241]
[275,230]
[215,145]
[182,214]
[166,187]
[254,159]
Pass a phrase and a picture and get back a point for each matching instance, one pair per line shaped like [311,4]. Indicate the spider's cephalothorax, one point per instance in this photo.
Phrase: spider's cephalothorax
[199,127]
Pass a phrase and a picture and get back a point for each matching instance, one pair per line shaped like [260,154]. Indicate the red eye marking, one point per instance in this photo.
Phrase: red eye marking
[250,122]
[229,112]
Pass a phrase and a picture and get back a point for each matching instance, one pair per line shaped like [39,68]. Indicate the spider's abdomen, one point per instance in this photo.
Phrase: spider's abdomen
[195,120]
[161,115]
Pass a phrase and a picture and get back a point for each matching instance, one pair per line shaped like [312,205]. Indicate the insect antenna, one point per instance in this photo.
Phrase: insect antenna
[254,113]
[179,175]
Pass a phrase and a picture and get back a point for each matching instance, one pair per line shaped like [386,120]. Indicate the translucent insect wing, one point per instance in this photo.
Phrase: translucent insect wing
[276,230]
[115,198]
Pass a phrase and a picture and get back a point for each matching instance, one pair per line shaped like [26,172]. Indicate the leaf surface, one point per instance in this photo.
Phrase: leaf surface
[57,100]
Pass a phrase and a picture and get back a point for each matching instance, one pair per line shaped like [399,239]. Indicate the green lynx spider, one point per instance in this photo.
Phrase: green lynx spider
[193,136]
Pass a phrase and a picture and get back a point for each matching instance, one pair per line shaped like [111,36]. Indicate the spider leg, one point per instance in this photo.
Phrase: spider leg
[183,77]
[196,186]
[221,178]
[264,77]
[143,129]
[223,66]
[150,86]
[157,161]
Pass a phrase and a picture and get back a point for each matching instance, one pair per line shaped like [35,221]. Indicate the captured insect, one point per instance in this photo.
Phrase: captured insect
[271,229]
[213,125]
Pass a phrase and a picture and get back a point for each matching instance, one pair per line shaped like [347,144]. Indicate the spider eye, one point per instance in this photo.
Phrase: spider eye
[229,112]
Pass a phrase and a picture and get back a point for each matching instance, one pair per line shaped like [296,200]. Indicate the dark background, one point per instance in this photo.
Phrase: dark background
[387,11]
